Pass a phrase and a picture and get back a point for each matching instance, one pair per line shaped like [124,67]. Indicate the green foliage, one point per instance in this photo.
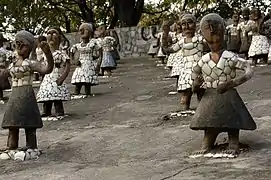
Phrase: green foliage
[170,9]
[36,15]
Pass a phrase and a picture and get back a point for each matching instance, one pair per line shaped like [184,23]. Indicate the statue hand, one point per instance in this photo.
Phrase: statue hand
[78,63]
[45,47]
[59,82]
[222,88]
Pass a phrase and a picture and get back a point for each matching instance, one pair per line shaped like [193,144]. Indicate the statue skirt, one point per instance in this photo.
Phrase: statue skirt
[22,109]
[224,111]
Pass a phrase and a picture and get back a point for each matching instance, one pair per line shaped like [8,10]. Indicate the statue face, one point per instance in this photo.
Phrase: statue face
[213,32]
[188,26]
[84,33]
[53,37]
[22,49]
[166,29]
[153,29]
[245,14]
[255,14]
[179,27]
[235,18]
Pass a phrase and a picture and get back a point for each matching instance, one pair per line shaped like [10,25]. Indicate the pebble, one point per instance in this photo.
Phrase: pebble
[172,93]
[19,156]
[27,156]
[4,156]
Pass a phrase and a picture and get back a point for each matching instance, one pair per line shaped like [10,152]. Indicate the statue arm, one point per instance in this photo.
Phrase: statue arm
[240,64]
[37,67]
[142,35]
[197,76]
[66,71]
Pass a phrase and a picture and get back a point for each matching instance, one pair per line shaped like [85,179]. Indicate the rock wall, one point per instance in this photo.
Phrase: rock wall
[131,42]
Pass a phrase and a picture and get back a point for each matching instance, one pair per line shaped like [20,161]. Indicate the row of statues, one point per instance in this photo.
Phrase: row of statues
[54,65]
[200,62]
[205,62]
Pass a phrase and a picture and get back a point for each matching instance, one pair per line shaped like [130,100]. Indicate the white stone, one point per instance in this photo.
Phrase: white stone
[29,150]
[12,153]
[34,155]
[27,156]
[19,156]
[209,155]
[214,75]
[196,156]
[38,151]
[218,155]
[44,119]
[4,156]
[206,69]
[214,84]
[173,93]
[227,70]
[223,78]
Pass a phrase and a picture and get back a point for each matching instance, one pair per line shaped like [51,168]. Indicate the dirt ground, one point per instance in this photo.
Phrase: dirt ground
[120,134]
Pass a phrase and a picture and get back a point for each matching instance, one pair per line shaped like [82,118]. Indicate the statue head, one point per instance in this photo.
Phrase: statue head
[86,30]
[255,14]
[40,39]
[236,17]
[153,29]
[188,25]
[213,28]
[246,13]
[2,40]
[166,27]
[54,37]
[24,42]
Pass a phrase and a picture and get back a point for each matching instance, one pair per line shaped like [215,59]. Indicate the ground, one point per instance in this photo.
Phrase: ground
[120,134]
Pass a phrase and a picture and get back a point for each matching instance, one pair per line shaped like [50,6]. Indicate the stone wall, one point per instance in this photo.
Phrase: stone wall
[131,42]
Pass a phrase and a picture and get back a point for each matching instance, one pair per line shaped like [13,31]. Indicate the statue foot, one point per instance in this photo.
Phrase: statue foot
[201,152]
[7,149]
[232,152]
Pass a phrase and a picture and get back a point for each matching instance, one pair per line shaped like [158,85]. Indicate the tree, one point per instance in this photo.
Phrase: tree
[154,14]
[128,12]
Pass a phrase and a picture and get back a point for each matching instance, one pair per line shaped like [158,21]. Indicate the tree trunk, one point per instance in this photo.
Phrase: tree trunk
[87,12]
[128,11]
[67,23]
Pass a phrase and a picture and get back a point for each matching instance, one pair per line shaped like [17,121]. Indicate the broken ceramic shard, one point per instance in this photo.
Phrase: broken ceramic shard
[4,156]
[78,96]
[19,156]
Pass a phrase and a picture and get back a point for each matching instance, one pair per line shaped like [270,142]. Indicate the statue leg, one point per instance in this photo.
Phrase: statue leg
[209,139]
[265,58]
[47,109]
[254,60]
[246,55]
[88,89]
[31,138]
[59,108]
[37,77]
[13,138]
[109,72]
[162,60]
[233,135]
[186,99]
[200,94]
[177,82]
[78,87]
[1,95]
